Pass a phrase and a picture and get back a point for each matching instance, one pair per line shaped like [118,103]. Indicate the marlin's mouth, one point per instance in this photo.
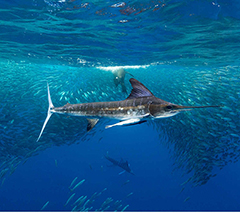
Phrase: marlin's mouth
[180,110]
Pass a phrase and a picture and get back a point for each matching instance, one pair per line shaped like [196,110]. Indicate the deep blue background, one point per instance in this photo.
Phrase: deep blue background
[154,187]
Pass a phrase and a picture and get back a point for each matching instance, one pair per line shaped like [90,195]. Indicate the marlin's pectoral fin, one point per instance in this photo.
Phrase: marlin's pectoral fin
[126,122]
[140,122]
[91,123]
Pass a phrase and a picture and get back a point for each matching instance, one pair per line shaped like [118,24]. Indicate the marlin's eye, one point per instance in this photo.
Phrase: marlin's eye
[169,107]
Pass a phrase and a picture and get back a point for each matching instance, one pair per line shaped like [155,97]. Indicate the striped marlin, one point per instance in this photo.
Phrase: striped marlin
[141,105]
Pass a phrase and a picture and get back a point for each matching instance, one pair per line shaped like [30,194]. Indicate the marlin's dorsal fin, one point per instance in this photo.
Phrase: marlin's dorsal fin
[139,90]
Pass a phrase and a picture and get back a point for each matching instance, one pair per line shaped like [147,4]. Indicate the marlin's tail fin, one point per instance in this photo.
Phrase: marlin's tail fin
[49,113]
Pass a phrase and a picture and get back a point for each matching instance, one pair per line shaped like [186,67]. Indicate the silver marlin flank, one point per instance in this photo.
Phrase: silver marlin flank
[140,106]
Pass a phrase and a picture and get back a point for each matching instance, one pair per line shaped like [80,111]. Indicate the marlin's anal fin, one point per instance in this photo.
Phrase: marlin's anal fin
[91,123]
[139,90]
[126,122]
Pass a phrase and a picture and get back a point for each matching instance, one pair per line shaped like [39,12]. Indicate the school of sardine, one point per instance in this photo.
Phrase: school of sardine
[85,203]
[199,141]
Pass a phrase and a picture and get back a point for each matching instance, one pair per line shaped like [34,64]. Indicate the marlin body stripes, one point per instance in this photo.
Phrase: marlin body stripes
[140,106]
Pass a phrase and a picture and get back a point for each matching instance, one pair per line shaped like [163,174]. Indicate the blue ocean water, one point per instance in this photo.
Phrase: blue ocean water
[184,51]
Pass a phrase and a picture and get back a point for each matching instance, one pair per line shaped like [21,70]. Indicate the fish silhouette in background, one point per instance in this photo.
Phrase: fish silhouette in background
[122,164]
